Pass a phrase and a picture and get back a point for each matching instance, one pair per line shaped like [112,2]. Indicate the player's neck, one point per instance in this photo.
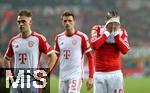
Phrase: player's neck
[70,32]
[26,33]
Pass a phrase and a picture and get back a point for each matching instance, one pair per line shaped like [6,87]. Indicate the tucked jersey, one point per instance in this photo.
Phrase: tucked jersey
[27,51]
[70,50]
[107,48]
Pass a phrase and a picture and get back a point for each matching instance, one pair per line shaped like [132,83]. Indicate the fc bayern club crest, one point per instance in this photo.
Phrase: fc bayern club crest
[74,41]
[30,43]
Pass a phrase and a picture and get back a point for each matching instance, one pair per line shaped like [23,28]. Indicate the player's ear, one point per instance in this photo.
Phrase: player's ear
[30,22]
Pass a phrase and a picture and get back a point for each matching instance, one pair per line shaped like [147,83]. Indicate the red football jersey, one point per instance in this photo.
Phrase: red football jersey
[107,47]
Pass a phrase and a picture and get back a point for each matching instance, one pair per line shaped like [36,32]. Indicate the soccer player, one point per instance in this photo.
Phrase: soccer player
[70,46]
[108,42]
[26,47]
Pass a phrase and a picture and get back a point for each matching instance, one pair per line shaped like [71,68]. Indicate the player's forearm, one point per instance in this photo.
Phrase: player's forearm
[122,45]
[98,42]
[7,62]
[53,61]
[90,64]
[99,35]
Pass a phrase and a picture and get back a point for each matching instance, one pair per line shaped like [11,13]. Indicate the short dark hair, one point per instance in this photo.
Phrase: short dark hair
[25,13]
[68,13]
[111,13]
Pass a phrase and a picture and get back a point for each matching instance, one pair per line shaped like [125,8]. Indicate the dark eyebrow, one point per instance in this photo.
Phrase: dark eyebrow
[67,20]
[21,21]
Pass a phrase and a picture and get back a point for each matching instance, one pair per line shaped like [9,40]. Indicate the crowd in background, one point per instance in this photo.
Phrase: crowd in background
[47,21]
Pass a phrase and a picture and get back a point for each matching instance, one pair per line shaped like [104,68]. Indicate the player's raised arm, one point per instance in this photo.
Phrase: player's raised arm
[122,41]
[98,36]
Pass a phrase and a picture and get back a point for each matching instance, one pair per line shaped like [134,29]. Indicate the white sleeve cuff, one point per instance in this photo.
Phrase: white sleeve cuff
[50,52]
[88,50]
[106,33]
[116,33]
[57,52]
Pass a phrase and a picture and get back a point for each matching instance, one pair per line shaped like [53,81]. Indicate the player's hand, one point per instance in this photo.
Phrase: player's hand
[109,27]
[95,27]
[116,26]
[9,76]
[38,75]
[89,83]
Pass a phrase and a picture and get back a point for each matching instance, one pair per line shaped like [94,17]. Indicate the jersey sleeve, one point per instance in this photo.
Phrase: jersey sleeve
[44,46]
[9,53]
[122,41]
[85,44]
[56,46]
[90,63]
[98,36]
[87,49]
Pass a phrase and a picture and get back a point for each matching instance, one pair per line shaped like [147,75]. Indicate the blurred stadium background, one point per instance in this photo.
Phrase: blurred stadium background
[135,17]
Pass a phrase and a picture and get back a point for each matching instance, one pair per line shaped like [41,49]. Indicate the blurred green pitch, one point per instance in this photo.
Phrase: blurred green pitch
[132,85]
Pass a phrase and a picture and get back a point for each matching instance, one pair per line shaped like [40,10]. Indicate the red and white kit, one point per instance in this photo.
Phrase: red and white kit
[27,51]
[71,50]
[107,48]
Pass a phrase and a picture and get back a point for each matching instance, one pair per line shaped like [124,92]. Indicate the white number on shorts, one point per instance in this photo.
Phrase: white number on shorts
[73,84]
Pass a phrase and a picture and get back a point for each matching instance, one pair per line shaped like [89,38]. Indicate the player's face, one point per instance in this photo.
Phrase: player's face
[68,22]
[24,23]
